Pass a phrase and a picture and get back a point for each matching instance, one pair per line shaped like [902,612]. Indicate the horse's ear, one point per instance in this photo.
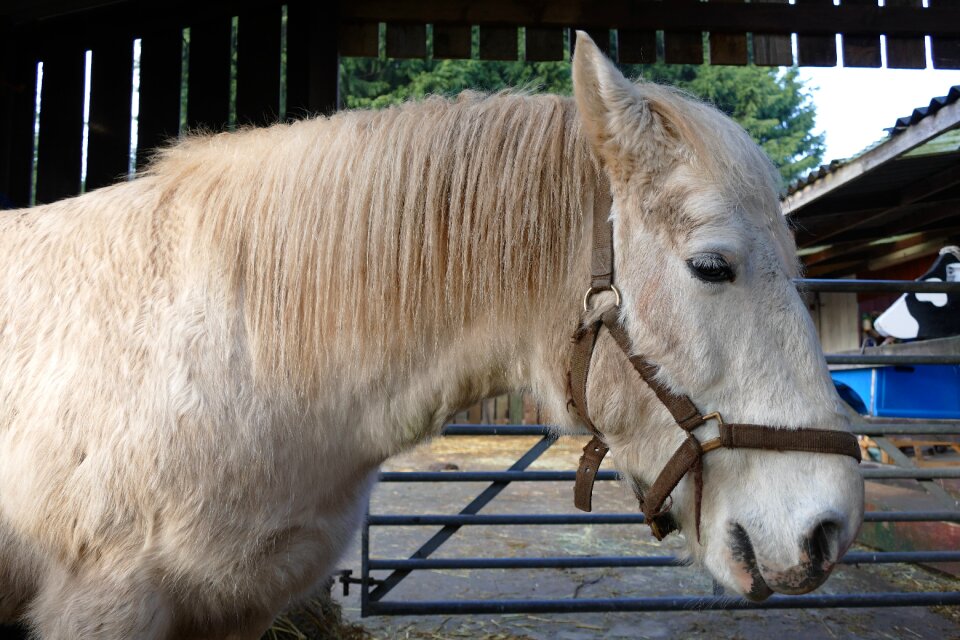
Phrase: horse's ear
[611,107]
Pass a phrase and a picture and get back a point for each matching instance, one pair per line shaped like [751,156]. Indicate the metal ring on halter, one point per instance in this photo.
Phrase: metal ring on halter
[593,290]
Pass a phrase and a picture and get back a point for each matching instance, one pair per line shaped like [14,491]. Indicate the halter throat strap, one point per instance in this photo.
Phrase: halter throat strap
[656,502]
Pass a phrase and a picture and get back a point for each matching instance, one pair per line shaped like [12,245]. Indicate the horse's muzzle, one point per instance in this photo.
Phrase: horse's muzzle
[820,549]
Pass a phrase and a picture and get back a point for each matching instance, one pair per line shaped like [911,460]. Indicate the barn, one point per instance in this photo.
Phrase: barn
[883,214]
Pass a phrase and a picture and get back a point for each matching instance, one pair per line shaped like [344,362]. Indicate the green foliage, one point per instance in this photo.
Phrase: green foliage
[373,83]
[774,108]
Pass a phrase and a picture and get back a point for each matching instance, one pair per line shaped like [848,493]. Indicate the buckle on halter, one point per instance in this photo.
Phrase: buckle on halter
[592,290]
[655,530]
[662,525]
[713,443]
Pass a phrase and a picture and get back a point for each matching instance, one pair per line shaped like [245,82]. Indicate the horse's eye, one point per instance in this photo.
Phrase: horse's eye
[711,267]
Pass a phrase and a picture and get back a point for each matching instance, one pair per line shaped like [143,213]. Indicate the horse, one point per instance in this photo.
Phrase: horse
[202,369]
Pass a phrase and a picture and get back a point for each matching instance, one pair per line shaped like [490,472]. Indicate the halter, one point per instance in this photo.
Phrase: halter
[689,456]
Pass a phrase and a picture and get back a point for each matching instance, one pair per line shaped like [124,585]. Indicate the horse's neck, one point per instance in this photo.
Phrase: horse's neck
[360,284]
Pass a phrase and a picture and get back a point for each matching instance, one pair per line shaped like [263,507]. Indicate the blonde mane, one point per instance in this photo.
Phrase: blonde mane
[420,218]
[417,218]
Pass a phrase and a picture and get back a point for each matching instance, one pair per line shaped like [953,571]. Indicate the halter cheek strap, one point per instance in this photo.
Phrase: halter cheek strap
[656,502]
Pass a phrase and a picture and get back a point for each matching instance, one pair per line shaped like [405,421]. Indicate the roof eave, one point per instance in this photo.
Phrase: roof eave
[910,138]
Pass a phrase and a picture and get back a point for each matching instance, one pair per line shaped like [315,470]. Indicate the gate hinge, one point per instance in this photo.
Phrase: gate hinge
[346,579]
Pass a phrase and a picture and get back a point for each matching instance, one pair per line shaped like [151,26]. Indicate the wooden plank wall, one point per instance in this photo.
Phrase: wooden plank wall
[905,52]
[316,34]
[161,60]
[18,81]
[208,75]
[816,47]
[59,151]
[258,65]
[945,51]
[111,94]
[220,47]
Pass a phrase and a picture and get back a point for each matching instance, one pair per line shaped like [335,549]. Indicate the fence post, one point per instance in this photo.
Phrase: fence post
[313,62]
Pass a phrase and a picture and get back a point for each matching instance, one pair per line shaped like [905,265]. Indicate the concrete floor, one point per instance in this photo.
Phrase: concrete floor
[499,453]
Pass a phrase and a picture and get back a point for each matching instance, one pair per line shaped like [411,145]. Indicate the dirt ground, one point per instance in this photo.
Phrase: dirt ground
[555,497]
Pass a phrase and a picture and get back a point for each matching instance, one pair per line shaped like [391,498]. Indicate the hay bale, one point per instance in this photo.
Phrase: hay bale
[320,618]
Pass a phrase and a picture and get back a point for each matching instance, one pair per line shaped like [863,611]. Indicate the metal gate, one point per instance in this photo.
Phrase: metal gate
[379,576]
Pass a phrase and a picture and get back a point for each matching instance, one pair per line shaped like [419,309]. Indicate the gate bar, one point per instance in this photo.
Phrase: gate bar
[862,428]
[927,473]
[609,518]
[664,603]
[602,562]
[875,286]
[444,534]
[881,359]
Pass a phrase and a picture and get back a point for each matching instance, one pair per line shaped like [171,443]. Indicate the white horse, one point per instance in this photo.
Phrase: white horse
[201,370]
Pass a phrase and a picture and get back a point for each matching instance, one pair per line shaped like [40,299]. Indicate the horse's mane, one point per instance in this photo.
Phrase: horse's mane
[418,218]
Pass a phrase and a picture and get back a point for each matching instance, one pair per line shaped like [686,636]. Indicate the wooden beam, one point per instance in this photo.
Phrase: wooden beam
[313,63]
[362,39]
[929,219]
[906,52]
[945,49]
[860,250]
[773,49]
[812,230]
[160,75]
[499,43]
[683,45]
[600,37]
[208,75]
[406,40]
[817,50]
[770,21]
[258,66]
[543,44]
[923,131]
[905,255]
[861,51]
[758,17]
[835,270]
[111,92]
[728,48]
[636,47]
[18,82]
[455,41]
[61,126]
[22,10]
[917,191]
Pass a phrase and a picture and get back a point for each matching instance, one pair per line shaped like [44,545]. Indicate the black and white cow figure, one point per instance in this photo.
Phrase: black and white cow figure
[926,315]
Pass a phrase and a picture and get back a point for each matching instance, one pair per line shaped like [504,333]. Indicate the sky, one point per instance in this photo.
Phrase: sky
[854,106]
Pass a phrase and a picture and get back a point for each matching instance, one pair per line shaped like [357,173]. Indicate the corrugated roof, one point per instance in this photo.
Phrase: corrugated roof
[922,112]
[814,175]
[918,114]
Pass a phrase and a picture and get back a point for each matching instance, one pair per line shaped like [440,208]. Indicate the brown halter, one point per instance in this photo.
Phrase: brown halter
[689,456]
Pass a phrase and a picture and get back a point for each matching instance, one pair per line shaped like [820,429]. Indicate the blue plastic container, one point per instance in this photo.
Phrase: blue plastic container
[920,391]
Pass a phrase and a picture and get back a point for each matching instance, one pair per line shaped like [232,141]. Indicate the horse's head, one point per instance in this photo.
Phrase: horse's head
[704,260]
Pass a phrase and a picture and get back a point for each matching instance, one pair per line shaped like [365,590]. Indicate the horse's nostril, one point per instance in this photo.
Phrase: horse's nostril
[822,544]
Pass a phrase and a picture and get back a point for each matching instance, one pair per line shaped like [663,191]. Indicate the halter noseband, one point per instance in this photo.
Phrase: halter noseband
[689,456]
